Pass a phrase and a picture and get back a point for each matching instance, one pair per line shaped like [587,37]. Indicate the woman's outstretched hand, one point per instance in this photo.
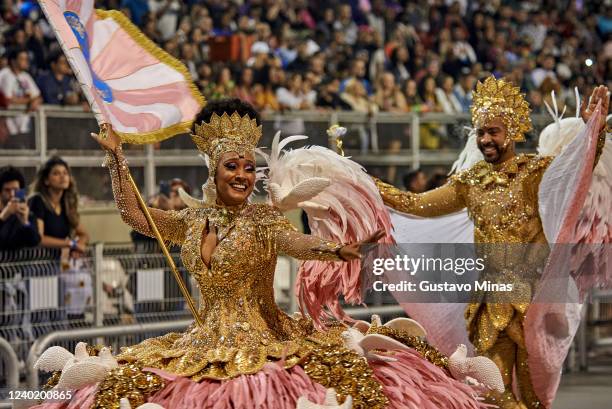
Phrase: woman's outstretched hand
[112,140]
[353,251]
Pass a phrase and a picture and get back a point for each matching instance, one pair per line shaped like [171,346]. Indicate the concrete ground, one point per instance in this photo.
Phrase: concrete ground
[586,390]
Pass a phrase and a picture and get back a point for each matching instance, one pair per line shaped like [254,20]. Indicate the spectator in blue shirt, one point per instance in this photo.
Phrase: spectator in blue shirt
[57,85]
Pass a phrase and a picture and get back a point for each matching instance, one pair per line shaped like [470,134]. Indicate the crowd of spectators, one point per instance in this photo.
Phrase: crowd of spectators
[363,55]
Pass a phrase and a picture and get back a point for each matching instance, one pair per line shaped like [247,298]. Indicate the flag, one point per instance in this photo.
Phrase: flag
[130,83]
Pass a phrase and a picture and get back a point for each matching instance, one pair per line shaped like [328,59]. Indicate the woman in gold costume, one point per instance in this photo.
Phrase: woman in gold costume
[248,353]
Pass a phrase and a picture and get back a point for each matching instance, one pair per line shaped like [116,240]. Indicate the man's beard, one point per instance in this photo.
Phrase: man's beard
[492,157]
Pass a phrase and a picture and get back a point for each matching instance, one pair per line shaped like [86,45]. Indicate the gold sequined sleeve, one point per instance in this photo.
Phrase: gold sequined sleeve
[295,244]
[443,200]
[169,222]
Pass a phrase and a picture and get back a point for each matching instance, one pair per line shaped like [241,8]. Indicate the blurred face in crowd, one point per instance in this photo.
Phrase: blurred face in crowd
[468,82]
[225,76]
[345,12]
[388,81]
[187,51]
[8,192]
[317,65]
[205,72]
[430,85]
[402,54]
[20,38]
[549,63]
[22,62]
[235,178]
[59,178]
[447,84]
[433,68]
[247,77]
[359,70]
[328,16]
[196,35]
[491,140]
[418,183]
[61,66]
[411,88]
[296,82]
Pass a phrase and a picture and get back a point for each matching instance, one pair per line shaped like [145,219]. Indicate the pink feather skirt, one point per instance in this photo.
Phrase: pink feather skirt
[409,383]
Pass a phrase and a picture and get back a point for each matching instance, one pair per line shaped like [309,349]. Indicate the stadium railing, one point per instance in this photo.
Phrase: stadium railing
[408,140]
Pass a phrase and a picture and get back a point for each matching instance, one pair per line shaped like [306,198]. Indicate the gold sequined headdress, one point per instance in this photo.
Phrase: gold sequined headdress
[225,133]
[500,99]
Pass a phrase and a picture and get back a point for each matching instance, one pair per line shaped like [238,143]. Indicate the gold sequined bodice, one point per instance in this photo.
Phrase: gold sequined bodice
[501,200]
[243,327]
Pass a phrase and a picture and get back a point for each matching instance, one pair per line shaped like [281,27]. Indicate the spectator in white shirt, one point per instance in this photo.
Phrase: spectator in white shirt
[18,88]
[294,97]
[444,94]
[545,70]
[167,13]
[462,50]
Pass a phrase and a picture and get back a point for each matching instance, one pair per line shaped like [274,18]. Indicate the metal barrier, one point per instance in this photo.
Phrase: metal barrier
[386,139]
[10,364]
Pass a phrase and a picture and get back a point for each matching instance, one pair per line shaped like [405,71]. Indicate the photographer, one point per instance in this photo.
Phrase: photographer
[17,226]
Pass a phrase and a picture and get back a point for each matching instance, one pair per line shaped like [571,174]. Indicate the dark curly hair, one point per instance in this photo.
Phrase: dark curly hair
[10,173]
[230,106]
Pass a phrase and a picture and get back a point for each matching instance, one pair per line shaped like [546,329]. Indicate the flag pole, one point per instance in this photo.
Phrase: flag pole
[160,241]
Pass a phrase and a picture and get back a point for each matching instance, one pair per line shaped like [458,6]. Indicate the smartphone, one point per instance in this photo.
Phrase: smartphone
[164,188]
[20,195]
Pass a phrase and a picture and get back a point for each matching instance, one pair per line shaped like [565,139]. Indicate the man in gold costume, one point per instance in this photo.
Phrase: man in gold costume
[501,196]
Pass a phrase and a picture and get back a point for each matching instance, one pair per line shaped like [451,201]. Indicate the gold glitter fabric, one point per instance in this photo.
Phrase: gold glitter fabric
[502,201]
[128,381]
[418,344]
[495,98]
[348,373]
[243,327]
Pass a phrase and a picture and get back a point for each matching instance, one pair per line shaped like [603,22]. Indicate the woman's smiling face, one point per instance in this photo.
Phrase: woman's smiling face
[235,178]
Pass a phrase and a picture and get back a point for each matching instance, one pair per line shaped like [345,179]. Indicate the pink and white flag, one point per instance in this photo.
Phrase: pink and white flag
[130,83]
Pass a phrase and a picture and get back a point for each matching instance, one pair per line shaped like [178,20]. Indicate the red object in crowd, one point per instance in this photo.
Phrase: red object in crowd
[236,48]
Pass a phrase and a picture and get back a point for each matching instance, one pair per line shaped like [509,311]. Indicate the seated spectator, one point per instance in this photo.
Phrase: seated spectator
[413,99]
[358,73]
[446,98]
[244,90]
[55,204]
[463,91]
[388,96]
[345,24]
[328,97]
[427,91]
[18,88]
[17,224]
[224,87]
[295,96]
[545,70]
[57,85]
[356,97]
[399,65]
[415,181]
[264,94]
